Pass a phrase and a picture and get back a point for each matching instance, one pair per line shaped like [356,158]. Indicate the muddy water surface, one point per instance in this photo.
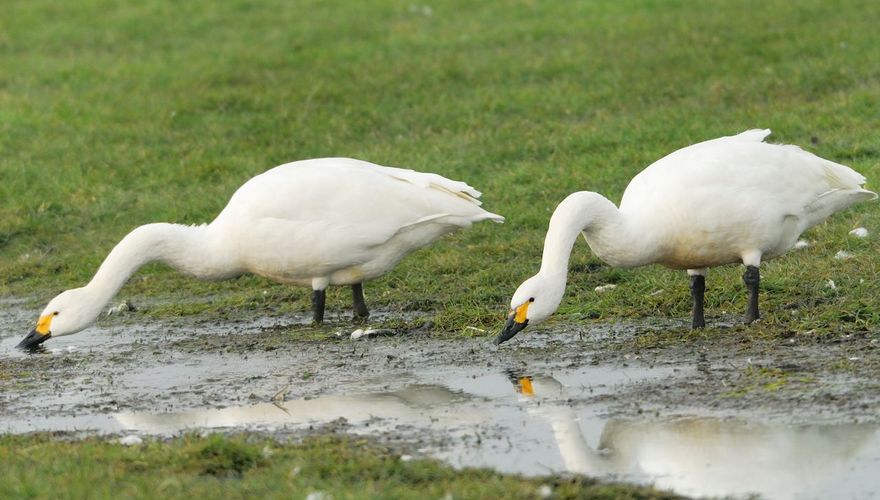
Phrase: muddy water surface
[773,420]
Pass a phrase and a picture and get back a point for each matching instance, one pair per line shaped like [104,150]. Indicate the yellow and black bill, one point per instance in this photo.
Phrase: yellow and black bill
[515,323]
[38,335]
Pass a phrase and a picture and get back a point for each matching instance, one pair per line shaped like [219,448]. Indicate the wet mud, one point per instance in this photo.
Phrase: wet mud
[794,417]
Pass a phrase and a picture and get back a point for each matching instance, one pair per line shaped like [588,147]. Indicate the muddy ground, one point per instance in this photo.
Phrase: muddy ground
[464,400]
[792,378]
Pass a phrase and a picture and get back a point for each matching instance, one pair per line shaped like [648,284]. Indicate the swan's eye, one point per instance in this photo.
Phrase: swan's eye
[531,299]
[56,313]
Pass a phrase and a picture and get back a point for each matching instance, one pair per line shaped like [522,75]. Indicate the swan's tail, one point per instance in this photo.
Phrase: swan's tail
[838,177]
[845,187]
[488,216]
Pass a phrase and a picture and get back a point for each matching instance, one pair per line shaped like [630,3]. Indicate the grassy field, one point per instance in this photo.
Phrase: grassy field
[115,114]
[247,467]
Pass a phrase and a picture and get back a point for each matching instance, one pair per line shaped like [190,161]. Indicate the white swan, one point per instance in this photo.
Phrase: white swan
[331,221]
[727,200]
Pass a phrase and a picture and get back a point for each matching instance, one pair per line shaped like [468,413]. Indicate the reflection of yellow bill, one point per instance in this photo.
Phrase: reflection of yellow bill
[525,385]
[43,324]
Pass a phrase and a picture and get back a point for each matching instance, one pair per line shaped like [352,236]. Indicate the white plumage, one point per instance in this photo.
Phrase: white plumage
[339,221]
[331,221]
[724,200]
[727,200]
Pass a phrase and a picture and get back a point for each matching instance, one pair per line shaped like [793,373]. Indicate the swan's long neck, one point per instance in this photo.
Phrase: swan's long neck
[582,212]
[191,250]
[617,240]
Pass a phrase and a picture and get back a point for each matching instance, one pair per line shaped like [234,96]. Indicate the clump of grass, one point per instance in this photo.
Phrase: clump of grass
[219,456]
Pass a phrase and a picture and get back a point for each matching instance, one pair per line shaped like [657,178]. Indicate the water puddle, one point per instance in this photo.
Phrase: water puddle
[550,405]
[531,425]
[539,424]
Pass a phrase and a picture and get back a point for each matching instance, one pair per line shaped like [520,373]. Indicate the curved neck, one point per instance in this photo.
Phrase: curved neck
[188,249]
[616,239]
[587,212]
[576,453]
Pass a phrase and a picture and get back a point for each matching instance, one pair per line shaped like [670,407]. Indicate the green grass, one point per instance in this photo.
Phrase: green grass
[39,466]
[117,114]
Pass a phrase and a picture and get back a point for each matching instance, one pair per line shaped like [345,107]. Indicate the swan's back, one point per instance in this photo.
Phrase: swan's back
[347,191]
[334,213]
[741,193]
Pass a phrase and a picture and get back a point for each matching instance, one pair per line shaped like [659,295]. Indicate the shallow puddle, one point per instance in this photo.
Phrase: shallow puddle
[546,405]
[538,424]
[535,425]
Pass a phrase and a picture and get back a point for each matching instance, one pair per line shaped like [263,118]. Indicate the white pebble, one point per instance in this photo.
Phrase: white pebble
[859,232]
[318,495]
[130,440]
[605,288]
[545,491]
[843,255]
[830,284]
[801,244]
[369,332]
[122,307]
[406,458]
[424,10]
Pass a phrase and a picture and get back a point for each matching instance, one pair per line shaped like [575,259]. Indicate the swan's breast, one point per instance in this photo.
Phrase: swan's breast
[704,244]
[695,253]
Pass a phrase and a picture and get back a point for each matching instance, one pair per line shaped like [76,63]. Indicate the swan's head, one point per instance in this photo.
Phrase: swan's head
[534,301]
[69,312]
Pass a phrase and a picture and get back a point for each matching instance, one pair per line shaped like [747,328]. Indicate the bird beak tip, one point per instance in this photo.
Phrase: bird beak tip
[510,329]
[33,340]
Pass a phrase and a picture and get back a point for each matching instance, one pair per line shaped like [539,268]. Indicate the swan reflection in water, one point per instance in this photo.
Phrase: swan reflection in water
[413,405]
[696,456]
[701,456]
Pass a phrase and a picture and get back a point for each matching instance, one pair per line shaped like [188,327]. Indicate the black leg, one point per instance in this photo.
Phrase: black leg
[318,297]
[752,278]
[360,307]
[698,290]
